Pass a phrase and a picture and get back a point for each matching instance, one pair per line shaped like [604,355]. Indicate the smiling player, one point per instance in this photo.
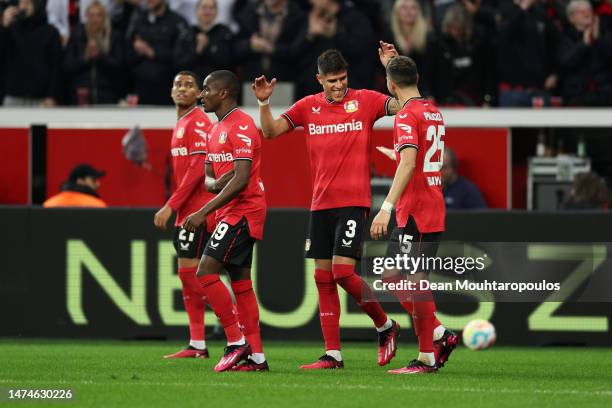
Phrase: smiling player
[338,125]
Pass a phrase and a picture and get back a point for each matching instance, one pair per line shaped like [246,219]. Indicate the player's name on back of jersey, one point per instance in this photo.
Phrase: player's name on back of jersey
[433,116]
[335,128]
[434,181]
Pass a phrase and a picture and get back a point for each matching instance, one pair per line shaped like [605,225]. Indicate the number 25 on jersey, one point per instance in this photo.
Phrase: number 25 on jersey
[434,134]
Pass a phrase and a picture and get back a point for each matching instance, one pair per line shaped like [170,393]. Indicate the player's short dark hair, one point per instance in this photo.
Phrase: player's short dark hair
[192,74]
[403,71]
[227,80]
[330,62]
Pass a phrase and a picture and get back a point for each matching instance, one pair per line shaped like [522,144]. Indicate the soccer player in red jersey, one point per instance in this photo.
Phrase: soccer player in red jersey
[417,193]
[338,125]
[234,144]
[188,155]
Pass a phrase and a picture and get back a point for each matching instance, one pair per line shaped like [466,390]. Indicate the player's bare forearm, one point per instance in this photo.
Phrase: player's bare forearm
[271,127]
[403,173]
[263,89]
[237,183]
[214,185]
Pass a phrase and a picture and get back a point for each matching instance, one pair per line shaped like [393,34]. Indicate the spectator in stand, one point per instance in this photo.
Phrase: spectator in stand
[159,43]
[458,61]
[585,58]
[527,55]
[94,59]
[409,30]
[333,24]
[265,42]
[213,41]
[459,192]
[81,189]
[31,49]
[589,192]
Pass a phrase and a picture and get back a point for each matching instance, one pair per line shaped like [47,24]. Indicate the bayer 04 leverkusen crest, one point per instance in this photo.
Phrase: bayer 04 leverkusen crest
[351,106]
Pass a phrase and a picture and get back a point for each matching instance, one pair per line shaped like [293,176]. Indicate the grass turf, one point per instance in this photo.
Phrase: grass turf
[113,373]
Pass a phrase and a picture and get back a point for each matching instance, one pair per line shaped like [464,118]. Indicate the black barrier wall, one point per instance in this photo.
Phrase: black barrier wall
[110,274]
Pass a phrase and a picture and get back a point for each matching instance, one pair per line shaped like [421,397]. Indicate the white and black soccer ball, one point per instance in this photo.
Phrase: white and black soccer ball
[479,335]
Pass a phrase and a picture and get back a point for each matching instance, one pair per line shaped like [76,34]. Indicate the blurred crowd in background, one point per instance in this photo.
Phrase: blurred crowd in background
[469,52]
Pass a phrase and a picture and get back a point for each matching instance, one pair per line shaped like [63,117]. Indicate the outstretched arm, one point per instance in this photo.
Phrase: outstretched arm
[271,127]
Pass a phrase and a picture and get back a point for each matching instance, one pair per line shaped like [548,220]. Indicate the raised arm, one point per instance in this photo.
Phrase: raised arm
[271,127]
[386,52]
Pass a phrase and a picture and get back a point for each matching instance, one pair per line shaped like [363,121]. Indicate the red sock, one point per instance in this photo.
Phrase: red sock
[194,304]
[346,277]
[329,308]
[248,313]
[405,298]
[424,321]
[403,295]
[221,303]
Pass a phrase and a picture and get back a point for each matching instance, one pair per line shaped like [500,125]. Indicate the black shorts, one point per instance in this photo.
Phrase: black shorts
[231,244]
[409,241]
[336,231]
[190,244]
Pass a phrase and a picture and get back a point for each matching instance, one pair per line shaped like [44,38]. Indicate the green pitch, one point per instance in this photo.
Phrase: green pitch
[133,374]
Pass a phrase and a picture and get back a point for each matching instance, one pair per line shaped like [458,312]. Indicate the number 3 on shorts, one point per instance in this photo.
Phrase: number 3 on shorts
[352,226]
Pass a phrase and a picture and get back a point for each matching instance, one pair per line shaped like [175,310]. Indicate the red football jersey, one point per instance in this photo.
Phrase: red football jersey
[188,149]
[236,137]
[420,125]
[338,141]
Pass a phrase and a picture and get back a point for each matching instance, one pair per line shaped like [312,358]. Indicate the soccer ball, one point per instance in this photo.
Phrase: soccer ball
[479,335]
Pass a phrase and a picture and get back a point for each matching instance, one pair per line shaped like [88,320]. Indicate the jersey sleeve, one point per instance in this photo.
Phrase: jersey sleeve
[295,114]
[191,181]
[377,103]
[406,131]
[244,139]
[197,132]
